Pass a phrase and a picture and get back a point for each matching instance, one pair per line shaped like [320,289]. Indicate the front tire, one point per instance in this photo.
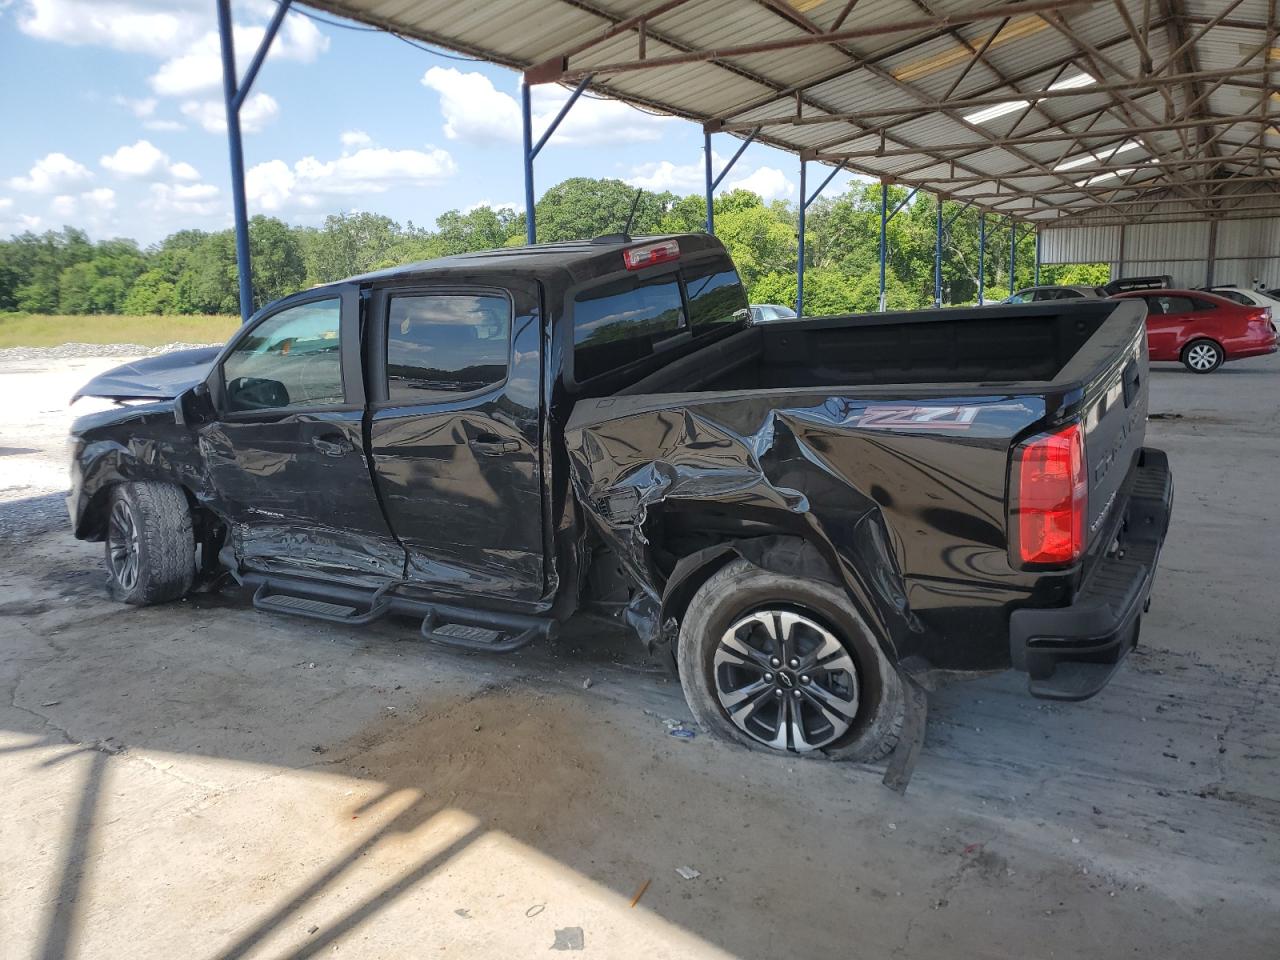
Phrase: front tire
[150,548]
[1202,356]
[772,661]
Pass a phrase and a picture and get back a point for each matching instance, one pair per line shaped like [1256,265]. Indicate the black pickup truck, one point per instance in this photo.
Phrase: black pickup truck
[805,518]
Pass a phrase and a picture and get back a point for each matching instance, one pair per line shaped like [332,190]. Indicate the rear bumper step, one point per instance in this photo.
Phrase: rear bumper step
[1071,652]
[445,624]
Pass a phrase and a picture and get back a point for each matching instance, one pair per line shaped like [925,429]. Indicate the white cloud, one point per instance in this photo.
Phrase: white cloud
[103,198]
[164,126]
[678,178]
[184,171]
[6,203]
[98,203]
[141,108]
[199,68]
[511,204]
[270,185]
[55,171]
[769,182]
[273,185]
[141,159]
[145,161]
[356,138]
[188,199]
[127,25]
[476,112]
[258,110]
[473,110]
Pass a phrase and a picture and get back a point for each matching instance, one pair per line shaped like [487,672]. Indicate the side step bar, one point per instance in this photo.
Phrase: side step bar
[445,624]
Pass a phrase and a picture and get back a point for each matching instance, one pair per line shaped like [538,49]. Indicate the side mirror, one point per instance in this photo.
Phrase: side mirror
[196,405]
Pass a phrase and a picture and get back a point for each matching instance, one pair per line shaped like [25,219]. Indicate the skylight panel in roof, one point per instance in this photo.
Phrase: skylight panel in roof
[1099,157]
[1010,106]
[999,110]
[1072,83]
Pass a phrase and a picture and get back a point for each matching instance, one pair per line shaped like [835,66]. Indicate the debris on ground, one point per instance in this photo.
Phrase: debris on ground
[586,684]
[682,733]
[463,912]
[312,929]
[568,938]
[640,893]
[688,873]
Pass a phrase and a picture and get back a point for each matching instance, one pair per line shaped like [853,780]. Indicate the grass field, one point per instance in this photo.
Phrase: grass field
[44,330]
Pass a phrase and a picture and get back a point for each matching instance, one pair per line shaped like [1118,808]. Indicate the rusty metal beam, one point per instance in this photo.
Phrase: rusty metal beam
[910,111]
[548,72]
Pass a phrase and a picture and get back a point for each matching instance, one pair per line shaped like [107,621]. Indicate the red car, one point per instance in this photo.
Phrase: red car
[1203,330]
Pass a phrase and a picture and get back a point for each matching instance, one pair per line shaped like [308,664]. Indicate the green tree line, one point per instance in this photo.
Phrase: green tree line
[194,271]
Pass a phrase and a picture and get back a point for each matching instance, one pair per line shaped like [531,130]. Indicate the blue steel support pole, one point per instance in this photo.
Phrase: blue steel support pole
[884,223]
[239,205]
[706,150]
[800,248]
[251,74]
[526,116]
[982,255]
[1013,253]
[1037,280]
[937,259]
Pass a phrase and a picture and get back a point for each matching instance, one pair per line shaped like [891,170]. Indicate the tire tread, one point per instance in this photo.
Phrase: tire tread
[166,561]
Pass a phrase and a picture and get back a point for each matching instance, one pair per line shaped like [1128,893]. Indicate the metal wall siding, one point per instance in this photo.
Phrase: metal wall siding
[1080,245]
[1166,241]
[1249,238]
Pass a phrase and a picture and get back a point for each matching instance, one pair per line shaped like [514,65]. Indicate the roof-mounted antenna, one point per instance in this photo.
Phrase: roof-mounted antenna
[625,235]
[632,215]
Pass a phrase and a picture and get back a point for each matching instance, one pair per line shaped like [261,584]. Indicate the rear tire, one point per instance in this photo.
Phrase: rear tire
[1202,356]
[775,662]
[150,548]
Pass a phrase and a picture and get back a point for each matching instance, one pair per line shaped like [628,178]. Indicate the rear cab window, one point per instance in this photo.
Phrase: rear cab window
[440,345]
[631,318]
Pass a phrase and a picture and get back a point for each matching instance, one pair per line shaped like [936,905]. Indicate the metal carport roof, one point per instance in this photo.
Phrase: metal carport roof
[1051,112]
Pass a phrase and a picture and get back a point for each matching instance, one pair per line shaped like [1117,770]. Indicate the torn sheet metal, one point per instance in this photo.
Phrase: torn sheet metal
[878,487]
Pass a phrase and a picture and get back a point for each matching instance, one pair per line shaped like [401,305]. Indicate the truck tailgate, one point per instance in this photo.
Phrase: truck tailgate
[1114,420]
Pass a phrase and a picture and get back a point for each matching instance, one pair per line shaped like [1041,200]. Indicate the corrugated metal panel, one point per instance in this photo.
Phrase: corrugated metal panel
[1080,245]
[1249,238]
[1166,241]
[1185,273]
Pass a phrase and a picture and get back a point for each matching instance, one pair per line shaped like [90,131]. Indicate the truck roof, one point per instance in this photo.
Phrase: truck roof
[578,259]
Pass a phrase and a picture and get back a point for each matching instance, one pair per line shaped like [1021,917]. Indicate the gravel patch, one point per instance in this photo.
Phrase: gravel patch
[70,351]
[32,515]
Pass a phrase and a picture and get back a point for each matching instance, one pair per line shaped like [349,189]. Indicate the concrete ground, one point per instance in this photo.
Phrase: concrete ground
[202,781]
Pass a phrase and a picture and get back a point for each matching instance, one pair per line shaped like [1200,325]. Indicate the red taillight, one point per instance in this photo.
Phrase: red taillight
[637,258]
[1052,497]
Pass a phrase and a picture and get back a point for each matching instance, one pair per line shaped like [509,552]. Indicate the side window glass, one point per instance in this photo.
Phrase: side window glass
[715,296]
[624,321]
[446,344]
[1021,297]
[1198,304]
[1233,295]
[291,359]
[1177,305]
[1066,294]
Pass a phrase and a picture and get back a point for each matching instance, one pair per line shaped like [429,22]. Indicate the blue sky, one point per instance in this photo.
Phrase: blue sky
[117,125]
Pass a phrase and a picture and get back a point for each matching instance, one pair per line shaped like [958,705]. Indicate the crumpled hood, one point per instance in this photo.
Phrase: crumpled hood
[152,378]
